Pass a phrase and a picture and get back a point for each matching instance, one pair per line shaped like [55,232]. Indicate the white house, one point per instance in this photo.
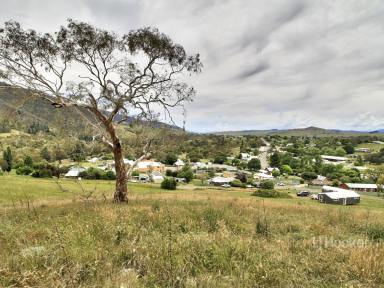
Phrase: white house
[179,163]
[93,160]
[247,156]
[218,180]
[156,177]
[364,150]
[263,176]
[74,172]
[333,159]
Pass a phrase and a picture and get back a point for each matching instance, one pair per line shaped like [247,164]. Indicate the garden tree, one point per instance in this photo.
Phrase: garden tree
[8,157]
[308,175]
[375,173]
[119,76]
[220,159]
[349,148]
[286,169]
[3,165]
[340,151]
[59,154]
[275,173]
[78,152]
[44,153]
[170,159]
[275,160]
[186,172]
[254,164]
[28,161]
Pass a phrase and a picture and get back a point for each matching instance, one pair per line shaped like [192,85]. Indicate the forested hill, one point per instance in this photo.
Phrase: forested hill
[21,109]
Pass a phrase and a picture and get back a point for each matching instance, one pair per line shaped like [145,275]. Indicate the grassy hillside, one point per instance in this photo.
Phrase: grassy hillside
[184,238]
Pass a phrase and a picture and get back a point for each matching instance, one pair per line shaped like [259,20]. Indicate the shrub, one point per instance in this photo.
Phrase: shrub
[270,193]
[28,161]
[135,173]
[375,233]
[286,169]
[237,183]
[186,173]
[169,184]
[170,159]
[275,173]
[42,173]
[24,170]
[254,164]
[109,175]
[92,173]
[308,175]
[267,184]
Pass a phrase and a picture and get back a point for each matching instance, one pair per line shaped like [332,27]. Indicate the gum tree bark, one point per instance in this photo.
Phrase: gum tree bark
[118,77]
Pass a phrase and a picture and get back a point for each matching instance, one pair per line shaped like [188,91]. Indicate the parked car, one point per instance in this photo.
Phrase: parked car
[303,194]
[249,186]
[315,196]
[280,184]
[226,185]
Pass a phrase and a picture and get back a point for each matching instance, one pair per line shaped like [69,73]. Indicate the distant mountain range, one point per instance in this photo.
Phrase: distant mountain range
[308,131]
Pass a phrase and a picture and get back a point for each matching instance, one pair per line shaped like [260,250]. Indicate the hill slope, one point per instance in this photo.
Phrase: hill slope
[308,131]
[19,107]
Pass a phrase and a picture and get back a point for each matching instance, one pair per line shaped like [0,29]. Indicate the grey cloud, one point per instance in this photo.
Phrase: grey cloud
[267,64]
[257,69]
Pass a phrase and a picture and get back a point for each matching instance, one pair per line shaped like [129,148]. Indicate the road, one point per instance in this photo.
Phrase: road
[263,154]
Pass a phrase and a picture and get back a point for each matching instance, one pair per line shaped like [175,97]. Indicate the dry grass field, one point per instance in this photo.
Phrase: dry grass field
[69,235]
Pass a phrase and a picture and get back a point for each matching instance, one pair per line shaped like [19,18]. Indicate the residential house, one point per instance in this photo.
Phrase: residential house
[333,159]
[74,172]
[218,181]
[156,177]
[361,187]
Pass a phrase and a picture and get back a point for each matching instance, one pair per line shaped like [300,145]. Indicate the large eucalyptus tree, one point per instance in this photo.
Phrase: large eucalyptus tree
[111,76]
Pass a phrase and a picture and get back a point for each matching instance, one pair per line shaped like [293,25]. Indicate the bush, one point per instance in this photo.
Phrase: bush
[237,183]
[169,184]
[28,161]
[92,173]
[308,175]
[254,164]
[267,184]
[24,170]
[286,169]
[270,193]
[275,173]
[375,233]
[170,159]
[186,173]
[43,173]
[109,175]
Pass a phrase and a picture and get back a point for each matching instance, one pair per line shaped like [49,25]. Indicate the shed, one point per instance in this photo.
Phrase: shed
[363,187]
[334,195]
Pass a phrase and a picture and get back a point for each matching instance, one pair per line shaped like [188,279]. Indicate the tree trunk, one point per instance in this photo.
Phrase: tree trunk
[121,192]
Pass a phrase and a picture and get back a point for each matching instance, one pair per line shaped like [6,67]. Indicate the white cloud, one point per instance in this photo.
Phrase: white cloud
[267,64]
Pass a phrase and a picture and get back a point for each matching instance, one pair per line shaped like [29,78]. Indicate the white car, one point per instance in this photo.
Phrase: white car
[280,184]
[249,186]
[226,185]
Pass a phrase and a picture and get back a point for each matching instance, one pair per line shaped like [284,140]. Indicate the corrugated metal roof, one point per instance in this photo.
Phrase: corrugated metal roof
[361,186]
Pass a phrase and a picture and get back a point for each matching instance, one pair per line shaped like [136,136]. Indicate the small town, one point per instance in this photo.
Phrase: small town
[191,144]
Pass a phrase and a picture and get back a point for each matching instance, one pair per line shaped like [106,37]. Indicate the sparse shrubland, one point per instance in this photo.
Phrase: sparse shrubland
[191,241]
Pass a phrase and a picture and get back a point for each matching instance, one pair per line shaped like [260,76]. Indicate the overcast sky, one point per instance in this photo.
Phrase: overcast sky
[267,64]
